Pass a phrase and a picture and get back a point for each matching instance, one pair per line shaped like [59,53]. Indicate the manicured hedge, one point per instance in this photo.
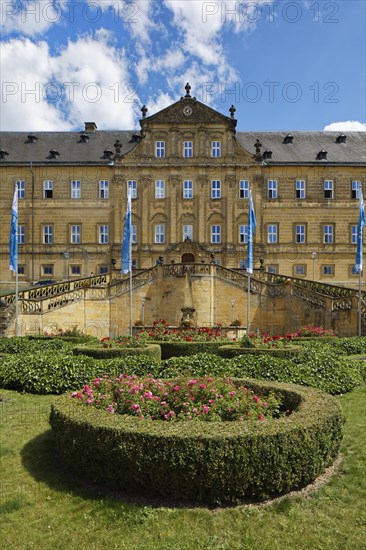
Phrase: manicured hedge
[152,350]
[179,349]
[28,344]
[234,351]
[208,462]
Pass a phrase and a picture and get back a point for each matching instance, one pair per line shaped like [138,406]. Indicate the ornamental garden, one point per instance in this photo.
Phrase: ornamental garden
[190,416]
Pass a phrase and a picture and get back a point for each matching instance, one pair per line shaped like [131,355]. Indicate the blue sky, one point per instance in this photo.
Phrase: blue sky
[284,65]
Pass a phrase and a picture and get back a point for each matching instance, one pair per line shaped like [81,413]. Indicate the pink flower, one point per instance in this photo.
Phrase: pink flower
[110,409]
[255,398]
[202,386]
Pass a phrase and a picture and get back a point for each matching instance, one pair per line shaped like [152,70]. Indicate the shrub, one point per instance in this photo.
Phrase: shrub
[234,351]
[152,350]
[178,349]
[209,462]
[202,364]
[28,344]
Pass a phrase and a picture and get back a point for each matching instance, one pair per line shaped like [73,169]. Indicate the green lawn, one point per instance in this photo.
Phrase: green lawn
[42,506]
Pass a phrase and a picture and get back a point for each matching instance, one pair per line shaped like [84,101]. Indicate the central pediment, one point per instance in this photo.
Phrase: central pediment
[188,110]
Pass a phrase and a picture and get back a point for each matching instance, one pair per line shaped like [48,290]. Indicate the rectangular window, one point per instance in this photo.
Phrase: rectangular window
[272,189]
[216,234]
[328,269]
[244,189]
[103,234]
[134,263]
[188,232]
[272,233]
[133,185]
[47,189]
[272,268]
[133,233]
[328,189]
[242,263]
[75,270]
[353,270]
[300,234]
[354,234]
[21,189]
[103,269]
[187,189]
[159,233]
[159,189]
[75,236]
[48,234]
[300,189]
[47,270]
[355,187]
[160,149]
[215,149]
[188,149]
[243,233]
[299,270]
[104,189]
[75,189]
[21,269]
[328,234]
[21,234]
[215,189]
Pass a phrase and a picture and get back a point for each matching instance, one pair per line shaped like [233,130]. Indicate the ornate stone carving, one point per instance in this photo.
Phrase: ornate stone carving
[118,180]
[174,180]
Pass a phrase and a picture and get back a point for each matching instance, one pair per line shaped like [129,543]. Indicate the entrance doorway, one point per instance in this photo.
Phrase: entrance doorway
[188,258]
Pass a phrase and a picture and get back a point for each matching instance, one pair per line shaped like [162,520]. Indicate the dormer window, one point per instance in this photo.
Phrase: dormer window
[322,155]
[3,154]
[341,138]
[136,137]
[288,139]
[107,153]
[267,154]
[84,138]
[54,154]
[32,138]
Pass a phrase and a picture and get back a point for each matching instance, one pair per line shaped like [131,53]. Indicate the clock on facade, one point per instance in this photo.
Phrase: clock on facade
[187,111]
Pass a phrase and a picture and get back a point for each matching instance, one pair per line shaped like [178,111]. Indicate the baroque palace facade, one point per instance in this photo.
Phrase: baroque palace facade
[191,172]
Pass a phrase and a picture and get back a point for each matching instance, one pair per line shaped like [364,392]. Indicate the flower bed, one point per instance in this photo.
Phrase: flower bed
[211,462]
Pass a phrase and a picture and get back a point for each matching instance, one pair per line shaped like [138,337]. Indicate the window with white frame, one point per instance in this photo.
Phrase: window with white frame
[159,233]
[272,189]
[272,233]
[21,189]
[243,189]
[48,234]
[188,232]
[47,189]
[187,189]
[355,189]
[273,268]
[300,234]
[75,234]
[21,234]
[159,189]
[215,189]
[328,269]
[328,189]
[243,233]
[47,269]
[299,270]
[216,234]
[133,186]
[75,189]
[104,189]
[354,229]
[300,189]
[133,233]
[215,149]
[160,149]
[328,234]
[187,149]
[103,234]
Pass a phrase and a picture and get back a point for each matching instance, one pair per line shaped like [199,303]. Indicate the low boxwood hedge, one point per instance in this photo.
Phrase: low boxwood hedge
[179,349]
[234,351]
[213,462]
[152,350]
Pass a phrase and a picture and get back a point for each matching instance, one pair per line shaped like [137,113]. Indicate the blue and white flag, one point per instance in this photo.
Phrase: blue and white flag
[252,223]
[13,241]
[361,223]
[126,243]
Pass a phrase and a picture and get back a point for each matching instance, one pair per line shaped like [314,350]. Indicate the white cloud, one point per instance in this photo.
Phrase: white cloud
[347,126]
[30,17]
[99,91]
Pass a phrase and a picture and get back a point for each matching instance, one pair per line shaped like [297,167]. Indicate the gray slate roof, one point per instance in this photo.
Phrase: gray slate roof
[303,150]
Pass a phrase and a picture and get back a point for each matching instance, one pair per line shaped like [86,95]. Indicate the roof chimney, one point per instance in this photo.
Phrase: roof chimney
[90,127]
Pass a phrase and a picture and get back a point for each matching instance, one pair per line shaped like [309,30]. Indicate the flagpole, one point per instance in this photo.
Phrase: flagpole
[251,228]
[359,254]
[248,306]
[130,245]
[359,303]
[16,303]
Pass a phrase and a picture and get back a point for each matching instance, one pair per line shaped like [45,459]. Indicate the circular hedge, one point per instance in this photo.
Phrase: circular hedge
[228,352]
[151,350]
[213,462]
